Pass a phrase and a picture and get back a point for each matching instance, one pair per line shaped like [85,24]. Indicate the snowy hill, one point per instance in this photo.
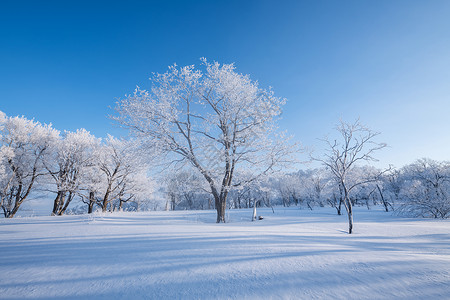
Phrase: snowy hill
[292,254]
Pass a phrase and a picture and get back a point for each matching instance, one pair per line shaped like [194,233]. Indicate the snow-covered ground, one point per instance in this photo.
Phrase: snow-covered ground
[292,254]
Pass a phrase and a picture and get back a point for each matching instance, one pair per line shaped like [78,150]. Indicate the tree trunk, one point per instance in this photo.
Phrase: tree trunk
[91,202]
[105,202]
[5,212]
[17,204]
[220,207]
[172,202]
[13,212]
[61,202]
[56,204]
[349,208]
[382,198]
[69,199]
[350,220]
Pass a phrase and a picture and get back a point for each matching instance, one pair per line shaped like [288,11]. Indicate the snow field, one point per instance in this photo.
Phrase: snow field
[292,254]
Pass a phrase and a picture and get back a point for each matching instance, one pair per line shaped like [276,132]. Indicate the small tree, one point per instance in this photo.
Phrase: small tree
[355,145]
[215,120]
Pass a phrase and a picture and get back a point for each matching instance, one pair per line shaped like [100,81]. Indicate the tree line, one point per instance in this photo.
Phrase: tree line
[419,189]
[36,158]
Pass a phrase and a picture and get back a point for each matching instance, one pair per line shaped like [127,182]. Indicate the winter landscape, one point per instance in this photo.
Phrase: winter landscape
[225,150]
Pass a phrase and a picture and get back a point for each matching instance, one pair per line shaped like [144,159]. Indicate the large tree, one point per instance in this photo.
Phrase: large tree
[214,119]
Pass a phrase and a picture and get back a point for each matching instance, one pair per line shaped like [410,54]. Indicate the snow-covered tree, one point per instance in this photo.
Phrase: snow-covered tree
[426,191]
[289,188]
[311,186]
[70,159]
[92,183]
[318,182]
[214,119]
[185,189]
[117,160]
[356,144]
[391,187]
[24,144]
[240,197]
[136,189]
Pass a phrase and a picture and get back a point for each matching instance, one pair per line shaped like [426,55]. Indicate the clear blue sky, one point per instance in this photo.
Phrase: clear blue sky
[387,62]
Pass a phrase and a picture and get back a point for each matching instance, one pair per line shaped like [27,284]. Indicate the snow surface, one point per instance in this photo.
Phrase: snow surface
[292,254]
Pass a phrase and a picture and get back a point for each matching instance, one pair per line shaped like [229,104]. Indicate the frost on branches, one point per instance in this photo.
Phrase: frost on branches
[426,189]
[214,119]
[123,172]
[70,158]
[355,144]
[24,144]
[35,159]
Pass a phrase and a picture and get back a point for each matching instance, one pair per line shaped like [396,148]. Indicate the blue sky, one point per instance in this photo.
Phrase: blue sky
[387,62]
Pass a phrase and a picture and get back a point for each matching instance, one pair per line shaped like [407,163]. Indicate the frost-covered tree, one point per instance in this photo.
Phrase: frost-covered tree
[312,183]
[24,144]
[304,187]
[214,119]
[356,144]
[117,161]
[116,176]
[319,179]
[71,157]
[185,189]
[426,191]
[135,189]
[240,197]
[390,188]
[92,183]
[289,188]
